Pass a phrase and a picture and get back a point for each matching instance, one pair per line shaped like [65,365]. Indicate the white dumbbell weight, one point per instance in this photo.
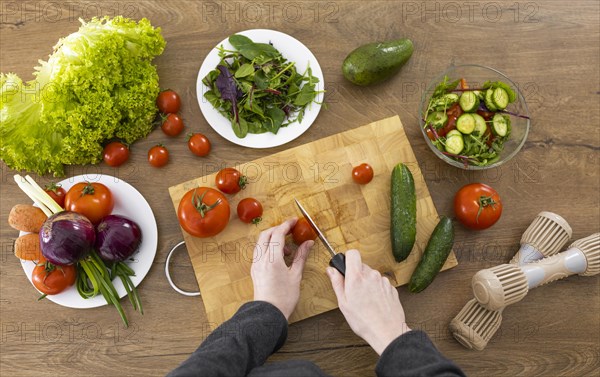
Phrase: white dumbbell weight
[474,325]
[503,285]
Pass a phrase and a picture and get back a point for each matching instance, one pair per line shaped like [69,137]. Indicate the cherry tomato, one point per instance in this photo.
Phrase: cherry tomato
[92,200]
[158,156]
[172,124]
[116,153]
[430,134]
[230,180]
[57,193]
[168,101]
[362,174]
[50,279]
[302,232]
[198,144]
[250,210]
[453,113]
[477,206]
[203,212]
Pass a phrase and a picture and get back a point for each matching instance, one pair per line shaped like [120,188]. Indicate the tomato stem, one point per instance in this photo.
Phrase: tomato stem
[202,207]
[484,201]
[88,189]
[256,220]
[243,182]
[53,187]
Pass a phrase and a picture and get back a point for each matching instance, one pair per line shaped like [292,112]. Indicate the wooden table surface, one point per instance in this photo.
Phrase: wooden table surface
[549,48]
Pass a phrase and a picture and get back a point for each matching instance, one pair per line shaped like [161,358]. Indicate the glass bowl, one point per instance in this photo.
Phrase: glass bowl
[476,75]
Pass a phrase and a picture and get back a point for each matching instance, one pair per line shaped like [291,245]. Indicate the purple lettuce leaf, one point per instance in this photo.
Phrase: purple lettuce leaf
[228,89]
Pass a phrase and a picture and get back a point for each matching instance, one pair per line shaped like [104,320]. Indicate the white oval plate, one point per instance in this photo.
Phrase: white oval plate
[291,49]
[131,204]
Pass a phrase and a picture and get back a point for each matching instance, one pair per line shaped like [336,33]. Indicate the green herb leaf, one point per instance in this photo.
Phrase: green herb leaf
[306,95]
[260,80]
[240,130]
[240,42]
[275,116]
[244,70]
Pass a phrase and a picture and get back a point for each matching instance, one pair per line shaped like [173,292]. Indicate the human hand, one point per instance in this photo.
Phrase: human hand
[273,280]
[369,302]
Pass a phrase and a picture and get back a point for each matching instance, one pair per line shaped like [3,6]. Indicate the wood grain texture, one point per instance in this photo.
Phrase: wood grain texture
[549,48]
[319,175]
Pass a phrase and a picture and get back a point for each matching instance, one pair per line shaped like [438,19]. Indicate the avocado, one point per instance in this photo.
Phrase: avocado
[375,62]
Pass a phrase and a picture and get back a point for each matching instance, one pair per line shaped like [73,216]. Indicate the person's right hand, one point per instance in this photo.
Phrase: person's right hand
[369,302]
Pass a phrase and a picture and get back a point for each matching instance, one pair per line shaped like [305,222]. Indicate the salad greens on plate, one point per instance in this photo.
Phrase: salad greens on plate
[257,89]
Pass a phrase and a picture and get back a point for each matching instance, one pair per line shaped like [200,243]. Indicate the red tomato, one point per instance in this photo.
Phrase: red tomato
[116,153]
[50,279]
[203,212]
[230,181]
[168,101]
[430,134]
[302,232]
[92,200]
[487,115]
[198,144]
[172,124]
[57,193]
[477,206]
[453,113]
[158,156]
[362,174]
[250,210]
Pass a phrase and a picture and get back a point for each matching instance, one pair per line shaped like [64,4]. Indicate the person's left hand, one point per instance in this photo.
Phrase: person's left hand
[273,280]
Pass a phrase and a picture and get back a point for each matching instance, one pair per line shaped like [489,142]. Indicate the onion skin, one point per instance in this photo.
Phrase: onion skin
[66,237]
[117,238]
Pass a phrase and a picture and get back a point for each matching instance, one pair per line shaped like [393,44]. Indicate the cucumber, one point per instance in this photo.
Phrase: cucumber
[376,62]
[469,102]
[455,144]
[500,98]
[437,119]
[465,123]
[403,229]
[501,125]
[480,125]
[489,102]
[435,255]
[452,133]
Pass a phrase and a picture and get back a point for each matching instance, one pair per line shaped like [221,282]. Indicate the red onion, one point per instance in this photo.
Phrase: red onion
[117,238]
[66,237]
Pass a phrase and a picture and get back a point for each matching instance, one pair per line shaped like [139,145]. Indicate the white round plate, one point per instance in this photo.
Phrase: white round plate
[291,49]
[131,204]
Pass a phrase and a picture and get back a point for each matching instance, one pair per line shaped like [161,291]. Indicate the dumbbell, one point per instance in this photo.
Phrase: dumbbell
[497,287]
[547,234]
[474,325]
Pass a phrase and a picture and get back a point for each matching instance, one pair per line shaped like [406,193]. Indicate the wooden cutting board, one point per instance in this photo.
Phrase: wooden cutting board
[351,216]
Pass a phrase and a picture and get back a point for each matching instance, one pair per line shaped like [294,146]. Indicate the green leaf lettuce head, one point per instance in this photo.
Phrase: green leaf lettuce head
[98,84]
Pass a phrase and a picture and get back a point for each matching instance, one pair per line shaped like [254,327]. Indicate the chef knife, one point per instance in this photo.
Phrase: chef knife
[338,260]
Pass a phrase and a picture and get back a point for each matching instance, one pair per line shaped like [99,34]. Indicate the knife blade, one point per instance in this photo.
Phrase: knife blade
[338,260]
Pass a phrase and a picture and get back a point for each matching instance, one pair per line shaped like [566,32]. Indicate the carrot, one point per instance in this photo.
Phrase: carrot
[463,84]
[26,218]
[27,247]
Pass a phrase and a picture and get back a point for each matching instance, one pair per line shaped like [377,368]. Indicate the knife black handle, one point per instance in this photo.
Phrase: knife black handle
[339,263]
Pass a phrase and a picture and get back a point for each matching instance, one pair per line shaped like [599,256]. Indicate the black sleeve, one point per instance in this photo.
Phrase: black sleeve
[245,341]
[413,354]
